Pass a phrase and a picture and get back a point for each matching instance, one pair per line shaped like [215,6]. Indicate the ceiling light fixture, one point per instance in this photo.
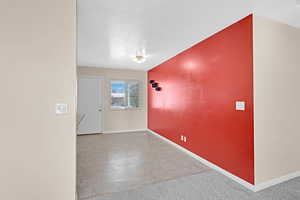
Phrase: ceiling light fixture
[139,57]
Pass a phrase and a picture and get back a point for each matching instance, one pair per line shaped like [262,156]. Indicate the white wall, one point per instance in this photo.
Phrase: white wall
[120,120]
[37,59]
[277,99]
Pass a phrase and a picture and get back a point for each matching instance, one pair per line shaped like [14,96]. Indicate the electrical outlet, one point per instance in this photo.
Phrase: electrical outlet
[240,105]
[184,139]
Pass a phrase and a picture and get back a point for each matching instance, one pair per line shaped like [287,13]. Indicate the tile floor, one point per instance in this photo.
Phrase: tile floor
[120,162]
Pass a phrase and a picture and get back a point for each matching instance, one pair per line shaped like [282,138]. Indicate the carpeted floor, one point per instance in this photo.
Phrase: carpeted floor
[209,185]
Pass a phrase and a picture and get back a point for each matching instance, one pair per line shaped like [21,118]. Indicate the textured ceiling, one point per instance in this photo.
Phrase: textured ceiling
[286,11]
[111,31]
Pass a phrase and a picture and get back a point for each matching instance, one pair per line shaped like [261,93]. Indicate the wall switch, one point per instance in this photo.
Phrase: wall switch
[61,109]
[240,105]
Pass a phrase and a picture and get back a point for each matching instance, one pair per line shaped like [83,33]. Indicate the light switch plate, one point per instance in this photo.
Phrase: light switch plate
[61,109]
[240,105]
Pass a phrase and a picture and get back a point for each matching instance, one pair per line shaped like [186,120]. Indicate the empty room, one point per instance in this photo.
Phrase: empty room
[150,100]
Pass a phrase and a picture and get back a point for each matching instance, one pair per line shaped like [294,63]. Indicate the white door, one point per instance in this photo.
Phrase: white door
[89,105]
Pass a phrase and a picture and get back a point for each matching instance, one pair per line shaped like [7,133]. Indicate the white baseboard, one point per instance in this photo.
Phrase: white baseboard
[275,181]
[209,164]
[124,131]
[254,188]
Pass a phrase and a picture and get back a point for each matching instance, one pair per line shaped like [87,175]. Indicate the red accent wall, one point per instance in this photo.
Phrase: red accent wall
[199,90]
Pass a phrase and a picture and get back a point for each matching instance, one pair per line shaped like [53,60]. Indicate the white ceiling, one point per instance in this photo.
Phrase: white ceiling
[111,31]
[286,11]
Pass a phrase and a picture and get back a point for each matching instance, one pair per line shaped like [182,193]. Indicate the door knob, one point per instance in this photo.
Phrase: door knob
[100,110]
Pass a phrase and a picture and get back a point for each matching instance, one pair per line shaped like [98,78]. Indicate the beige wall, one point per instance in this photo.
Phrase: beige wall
[120,120]
[37,59]
[277,99]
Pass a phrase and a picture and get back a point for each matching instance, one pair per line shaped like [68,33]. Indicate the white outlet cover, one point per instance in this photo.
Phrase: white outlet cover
[184,139]
[61,109]
[240,105]
[181,138]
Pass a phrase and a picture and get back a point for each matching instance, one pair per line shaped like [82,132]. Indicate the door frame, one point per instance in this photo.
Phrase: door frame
[101,80]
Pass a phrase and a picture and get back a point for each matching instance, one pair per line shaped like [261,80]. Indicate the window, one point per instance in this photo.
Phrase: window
[124,94]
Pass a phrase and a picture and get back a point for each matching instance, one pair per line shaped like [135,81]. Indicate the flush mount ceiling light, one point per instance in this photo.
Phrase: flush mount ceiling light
[139,57]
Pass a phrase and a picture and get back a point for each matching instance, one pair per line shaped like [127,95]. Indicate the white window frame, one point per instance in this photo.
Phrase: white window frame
[125,81]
